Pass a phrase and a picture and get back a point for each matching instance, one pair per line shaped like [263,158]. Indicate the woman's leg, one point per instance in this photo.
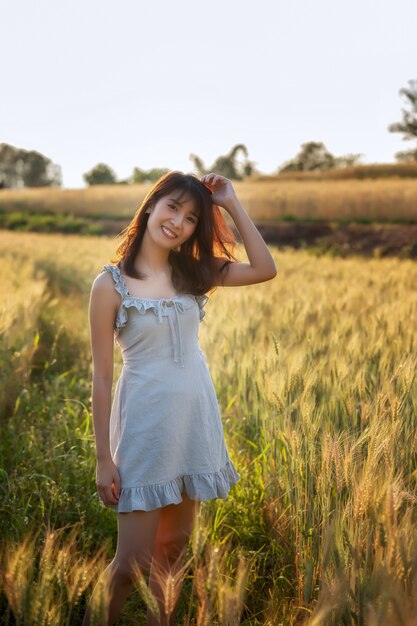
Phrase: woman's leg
[136,538]
[174,530]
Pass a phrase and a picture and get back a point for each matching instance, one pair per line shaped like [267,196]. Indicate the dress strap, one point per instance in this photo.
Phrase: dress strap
[201,301]
[119,283]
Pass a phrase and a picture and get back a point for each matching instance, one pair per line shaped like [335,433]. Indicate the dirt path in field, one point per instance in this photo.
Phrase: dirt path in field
[367,239]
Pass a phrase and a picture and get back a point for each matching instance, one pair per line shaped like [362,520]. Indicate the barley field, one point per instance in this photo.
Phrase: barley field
[315,373]
[311,197]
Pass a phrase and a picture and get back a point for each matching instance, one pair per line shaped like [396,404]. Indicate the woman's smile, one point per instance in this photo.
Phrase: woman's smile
[176,219]
[168,232]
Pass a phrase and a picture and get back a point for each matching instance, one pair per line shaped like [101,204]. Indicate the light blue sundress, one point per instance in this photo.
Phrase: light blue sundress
[166,432]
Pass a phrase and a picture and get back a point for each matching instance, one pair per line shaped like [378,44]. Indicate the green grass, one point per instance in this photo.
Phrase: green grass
[50,222]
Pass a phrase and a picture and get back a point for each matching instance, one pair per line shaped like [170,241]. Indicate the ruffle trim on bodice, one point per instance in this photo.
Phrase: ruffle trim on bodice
[119,283]
[143,304]
[206,486]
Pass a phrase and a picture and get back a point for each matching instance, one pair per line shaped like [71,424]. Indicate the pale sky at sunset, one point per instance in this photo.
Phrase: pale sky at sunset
[141,84]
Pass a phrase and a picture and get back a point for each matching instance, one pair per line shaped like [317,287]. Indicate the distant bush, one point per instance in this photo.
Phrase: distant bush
[376,170]
[100,174]
[48,223]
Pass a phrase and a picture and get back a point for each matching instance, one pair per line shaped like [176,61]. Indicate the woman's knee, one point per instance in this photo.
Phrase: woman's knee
[125,568]
[171,546]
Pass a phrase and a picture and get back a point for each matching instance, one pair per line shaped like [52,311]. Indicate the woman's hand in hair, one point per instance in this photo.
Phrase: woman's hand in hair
[221,189]
[261,266]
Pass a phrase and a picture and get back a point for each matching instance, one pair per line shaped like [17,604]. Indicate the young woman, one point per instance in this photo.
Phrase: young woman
[160,444]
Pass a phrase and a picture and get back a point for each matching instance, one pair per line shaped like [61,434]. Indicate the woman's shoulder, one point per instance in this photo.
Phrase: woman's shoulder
[106,281]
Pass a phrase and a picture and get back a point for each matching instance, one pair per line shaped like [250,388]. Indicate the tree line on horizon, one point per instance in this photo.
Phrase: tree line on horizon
[29,168]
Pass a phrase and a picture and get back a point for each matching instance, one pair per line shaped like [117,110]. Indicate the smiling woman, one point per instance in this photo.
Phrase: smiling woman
[177,216]
[178,219]
[160,444]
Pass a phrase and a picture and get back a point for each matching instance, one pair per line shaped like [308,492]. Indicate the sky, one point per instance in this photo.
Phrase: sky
[145,84]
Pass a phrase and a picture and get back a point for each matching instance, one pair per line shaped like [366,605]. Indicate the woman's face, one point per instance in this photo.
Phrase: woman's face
[172,220]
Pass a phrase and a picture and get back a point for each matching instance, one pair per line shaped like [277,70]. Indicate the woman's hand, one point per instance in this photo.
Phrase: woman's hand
[221,189]
[108,482]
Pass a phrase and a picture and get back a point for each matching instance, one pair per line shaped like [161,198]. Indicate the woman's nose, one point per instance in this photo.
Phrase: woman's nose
[176,220]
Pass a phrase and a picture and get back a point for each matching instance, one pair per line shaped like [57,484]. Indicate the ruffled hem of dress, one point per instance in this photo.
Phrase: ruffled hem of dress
[206,486]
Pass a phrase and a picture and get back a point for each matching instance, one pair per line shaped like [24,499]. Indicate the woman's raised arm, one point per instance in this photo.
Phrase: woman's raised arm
[261,266]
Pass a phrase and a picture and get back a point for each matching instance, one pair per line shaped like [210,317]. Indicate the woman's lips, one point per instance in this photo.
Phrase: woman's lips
[168,233]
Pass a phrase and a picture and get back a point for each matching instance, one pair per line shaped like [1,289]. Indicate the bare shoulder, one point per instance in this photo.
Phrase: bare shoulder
[102,289]
[103,280]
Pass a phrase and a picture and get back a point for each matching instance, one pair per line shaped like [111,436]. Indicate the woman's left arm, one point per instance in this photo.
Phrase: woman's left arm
[261,266]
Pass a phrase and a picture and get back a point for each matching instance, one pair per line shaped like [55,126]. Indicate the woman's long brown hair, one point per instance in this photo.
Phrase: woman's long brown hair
[193,266]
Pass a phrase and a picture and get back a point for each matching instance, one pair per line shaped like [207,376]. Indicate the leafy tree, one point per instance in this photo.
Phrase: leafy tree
[38,171]
[27,168]
[408,125]
[348,160]
[145,176]
[227,165]
[100,174]
[312,156]
[315,156]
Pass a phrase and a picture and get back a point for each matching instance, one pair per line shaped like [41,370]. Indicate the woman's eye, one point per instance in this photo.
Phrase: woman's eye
[172,206]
